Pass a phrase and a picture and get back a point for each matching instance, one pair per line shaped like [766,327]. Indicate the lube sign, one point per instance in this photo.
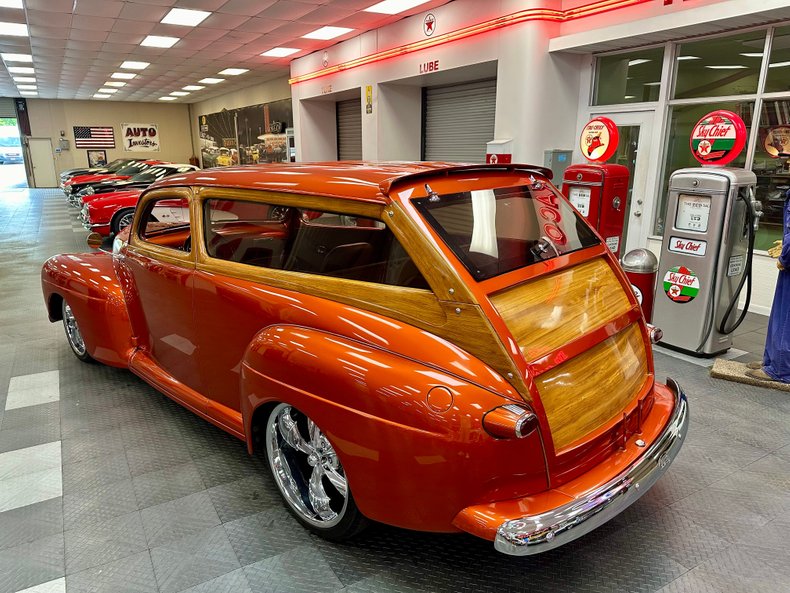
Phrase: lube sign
[140,137]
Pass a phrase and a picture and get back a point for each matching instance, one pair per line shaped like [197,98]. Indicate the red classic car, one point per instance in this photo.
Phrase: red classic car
[76,184]
[110,213]
[433,346]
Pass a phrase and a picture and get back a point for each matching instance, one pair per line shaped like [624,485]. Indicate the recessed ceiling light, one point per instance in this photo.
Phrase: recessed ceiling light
[637,62]
[114,83]
[727,67]
[11,3]
[168,98]
[21,70]
[756,54]
[212,80]
[159,41]
[129,65]
[100,96]
[29,93]
[14,29]
[234,71]
[185,17]
[394,6]
[108,91]
[327,33]
[684,58]
[27,87]
[17,57]
[779,65]
[279,52]
[123,75]
[193,87]
[179,93]
[24,79]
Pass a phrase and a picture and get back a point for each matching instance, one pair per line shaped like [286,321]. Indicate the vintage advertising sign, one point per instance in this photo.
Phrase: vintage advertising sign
[718,138]
[688,246]
[501,158]
[599,138]
[140,137]
[777,141]
[681,284]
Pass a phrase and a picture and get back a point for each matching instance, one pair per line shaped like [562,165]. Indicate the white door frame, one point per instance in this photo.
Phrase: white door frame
[639,219]
[41,180]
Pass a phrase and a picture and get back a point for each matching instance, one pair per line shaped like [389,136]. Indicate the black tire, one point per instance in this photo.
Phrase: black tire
[73,334]
[122,217]
[289,474]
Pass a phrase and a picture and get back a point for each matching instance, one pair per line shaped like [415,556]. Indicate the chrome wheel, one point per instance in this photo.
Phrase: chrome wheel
[306,468]
[125,220]
[73,333]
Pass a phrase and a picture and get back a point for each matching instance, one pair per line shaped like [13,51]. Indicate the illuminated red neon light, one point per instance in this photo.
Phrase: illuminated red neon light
[523,16]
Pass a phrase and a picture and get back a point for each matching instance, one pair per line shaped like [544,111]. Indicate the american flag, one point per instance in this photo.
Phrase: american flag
[94,137]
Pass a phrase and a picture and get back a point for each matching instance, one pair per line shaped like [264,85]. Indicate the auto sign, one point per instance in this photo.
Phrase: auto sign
[718,138]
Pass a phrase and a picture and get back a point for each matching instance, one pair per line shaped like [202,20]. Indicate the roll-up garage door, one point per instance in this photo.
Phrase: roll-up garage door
[349,130]
[7,108]
[458,121]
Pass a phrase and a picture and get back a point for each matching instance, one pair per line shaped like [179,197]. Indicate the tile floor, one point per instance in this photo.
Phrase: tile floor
[106,485]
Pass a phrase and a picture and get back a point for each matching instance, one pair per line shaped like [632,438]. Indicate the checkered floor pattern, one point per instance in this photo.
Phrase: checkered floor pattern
[106,485]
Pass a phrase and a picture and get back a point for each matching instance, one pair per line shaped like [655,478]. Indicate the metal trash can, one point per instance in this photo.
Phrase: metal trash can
[641,267]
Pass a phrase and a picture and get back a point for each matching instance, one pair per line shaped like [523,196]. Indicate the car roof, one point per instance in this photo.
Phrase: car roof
[357,180]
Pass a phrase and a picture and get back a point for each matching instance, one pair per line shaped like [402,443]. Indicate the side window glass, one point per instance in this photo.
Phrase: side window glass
[165,222]
[308,241]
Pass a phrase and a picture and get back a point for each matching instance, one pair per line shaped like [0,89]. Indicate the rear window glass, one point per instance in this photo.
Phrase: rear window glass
[494,231]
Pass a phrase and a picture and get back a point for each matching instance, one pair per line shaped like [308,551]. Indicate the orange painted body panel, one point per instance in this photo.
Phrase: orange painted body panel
[226,344]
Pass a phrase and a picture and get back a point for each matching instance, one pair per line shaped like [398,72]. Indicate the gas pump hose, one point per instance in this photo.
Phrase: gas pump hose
[747,277]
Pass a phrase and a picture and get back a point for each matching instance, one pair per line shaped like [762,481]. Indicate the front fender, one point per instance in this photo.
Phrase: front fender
[409,462]
[88,283]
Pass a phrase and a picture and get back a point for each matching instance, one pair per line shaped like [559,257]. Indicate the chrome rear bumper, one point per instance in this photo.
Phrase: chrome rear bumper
[539,533]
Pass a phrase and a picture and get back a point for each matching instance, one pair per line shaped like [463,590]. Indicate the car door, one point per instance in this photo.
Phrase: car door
[159,265]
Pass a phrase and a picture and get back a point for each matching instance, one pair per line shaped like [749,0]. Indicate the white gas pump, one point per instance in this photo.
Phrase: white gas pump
[706,253]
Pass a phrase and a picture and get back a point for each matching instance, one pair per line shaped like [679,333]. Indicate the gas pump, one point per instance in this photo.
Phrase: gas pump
[706,254]
[598,190]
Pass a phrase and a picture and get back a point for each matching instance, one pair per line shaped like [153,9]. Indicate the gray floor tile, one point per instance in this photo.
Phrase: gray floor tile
[244,497]
[179,518]
[231,582]
[133,574]
[95,472]
[29,523]
[265,534]
[95,505]
[301,570]
[32,563]
[99,543]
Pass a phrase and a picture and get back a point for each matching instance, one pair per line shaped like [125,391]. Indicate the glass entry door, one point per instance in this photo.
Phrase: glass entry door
[633,151]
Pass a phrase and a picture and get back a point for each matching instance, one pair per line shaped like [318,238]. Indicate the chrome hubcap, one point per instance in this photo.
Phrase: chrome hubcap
[306,467]
[73,331]
[125,221]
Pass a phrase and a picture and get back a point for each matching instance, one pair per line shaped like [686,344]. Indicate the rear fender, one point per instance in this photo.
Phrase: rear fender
[408,462]
[89,285]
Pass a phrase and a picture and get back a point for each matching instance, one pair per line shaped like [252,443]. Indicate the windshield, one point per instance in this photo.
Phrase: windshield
[151,174]
[132,169]
[116,165]
[493,231]
[9,141]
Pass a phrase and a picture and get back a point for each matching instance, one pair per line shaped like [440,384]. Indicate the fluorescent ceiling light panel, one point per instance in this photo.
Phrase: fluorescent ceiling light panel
[779,65]
[757,54]
[123,75]
[24,79]
[14,29]
[168,98]
[327,33]
[234,71]
[212,80]
[279,52]
[100,96]
[394,6]
[193,87]
[21,70]
[27,87]
[185,17]
[652,84]
[114,83]
[130,65]
[17,57]
[108,91]
[159,41]
[630,97]
[684,58]
[637,62]
[29,93]
[727,67]
[11,3]
[179,93]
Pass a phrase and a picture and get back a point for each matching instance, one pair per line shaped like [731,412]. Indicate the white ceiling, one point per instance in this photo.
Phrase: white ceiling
[77,44]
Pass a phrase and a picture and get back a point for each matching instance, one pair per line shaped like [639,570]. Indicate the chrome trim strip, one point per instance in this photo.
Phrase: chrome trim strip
[538,533]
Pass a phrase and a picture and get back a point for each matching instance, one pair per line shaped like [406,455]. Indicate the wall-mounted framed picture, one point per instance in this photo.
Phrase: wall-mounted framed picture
[97,158]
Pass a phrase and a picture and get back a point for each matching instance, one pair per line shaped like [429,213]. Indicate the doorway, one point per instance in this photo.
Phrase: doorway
[633,151]
[12,164]
[42,162]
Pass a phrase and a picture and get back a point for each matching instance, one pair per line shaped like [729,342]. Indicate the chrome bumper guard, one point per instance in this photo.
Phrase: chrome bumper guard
[539,533]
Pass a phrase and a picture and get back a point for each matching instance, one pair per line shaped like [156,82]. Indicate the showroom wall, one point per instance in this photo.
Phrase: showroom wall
[273,90]
[49,117]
